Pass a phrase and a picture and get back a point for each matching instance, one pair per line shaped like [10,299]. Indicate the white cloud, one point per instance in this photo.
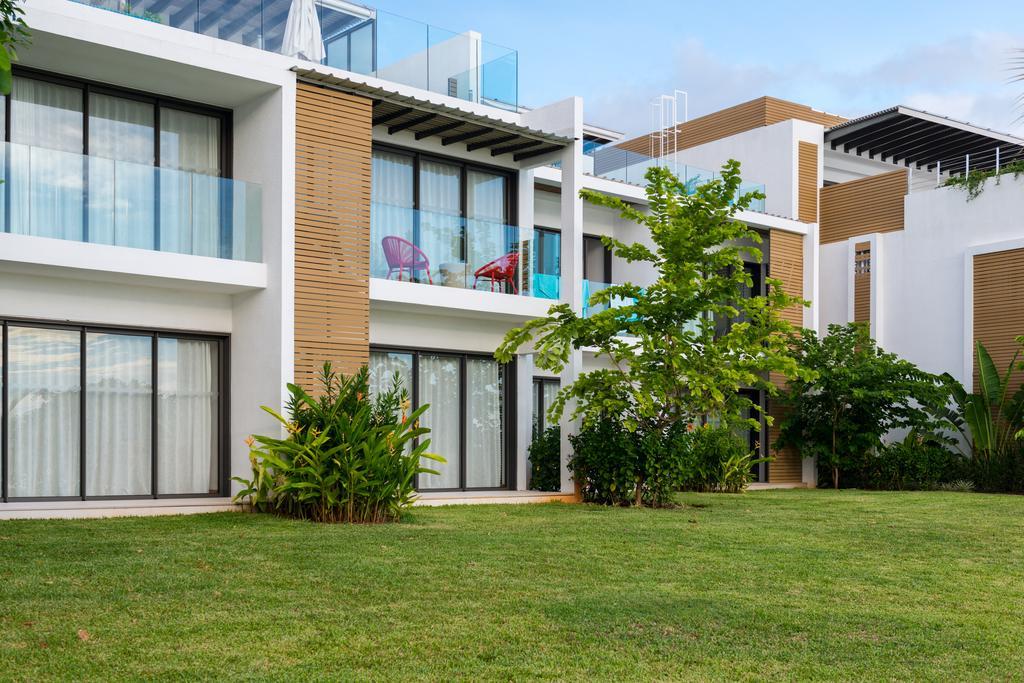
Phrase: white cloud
[963,77]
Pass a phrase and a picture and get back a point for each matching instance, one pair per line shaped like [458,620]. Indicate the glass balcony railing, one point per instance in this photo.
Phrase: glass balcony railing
[625,166]
[590,287]
[351,37]
[450,251]
[62,195]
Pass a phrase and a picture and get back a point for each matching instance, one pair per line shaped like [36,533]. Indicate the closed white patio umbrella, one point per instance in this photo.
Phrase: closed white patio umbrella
[302,36]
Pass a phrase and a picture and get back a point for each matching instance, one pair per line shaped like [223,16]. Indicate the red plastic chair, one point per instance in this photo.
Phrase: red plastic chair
[501,270]
[403,255]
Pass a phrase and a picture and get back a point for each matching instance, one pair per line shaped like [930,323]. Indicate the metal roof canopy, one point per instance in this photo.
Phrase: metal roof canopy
[451,124]
[911,137]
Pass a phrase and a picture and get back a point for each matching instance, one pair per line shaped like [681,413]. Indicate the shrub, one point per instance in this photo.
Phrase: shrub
[719,460]
[348,457]
[921,460]
[545,460]
[616,467]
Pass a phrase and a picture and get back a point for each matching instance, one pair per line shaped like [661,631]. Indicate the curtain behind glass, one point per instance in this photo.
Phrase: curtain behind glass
[187,415]
[47,169]
[383,367]
[487,235]
[190,194]
[44,396]
[485,452]
[121,173]
[391,211]
[441,231]
[118,414]
[548,392]
[439,387]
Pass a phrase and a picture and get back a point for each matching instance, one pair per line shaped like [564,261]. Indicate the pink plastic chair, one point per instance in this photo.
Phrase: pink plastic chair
[402,255]
[501,270]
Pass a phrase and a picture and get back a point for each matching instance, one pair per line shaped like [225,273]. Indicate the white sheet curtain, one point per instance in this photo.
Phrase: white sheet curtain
[383,367]
[441,224]
[486,232]
[439,387]
[47,173]
[187,415]
[190,193]
[391,210]
[548,392]
[118,414]
[122,190]
[485,450]
[43,412]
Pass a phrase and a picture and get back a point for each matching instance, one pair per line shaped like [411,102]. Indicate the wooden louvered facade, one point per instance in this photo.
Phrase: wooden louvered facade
[862,283]
[999,306]
[333,139]
[807,182]
[786,264]
[764,111]
[863,206]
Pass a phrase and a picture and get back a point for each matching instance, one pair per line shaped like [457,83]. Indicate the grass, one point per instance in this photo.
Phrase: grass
[779,584]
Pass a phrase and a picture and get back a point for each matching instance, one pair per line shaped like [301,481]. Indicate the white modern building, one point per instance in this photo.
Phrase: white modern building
[202,202]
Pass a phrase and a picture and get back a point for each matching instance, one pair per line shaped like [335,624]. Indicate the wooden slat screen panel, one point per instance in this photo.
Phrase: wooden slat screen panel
[333,140]
[764,111]
[807,185]
[862,283]
[786,264]
[863,206]
[999,306]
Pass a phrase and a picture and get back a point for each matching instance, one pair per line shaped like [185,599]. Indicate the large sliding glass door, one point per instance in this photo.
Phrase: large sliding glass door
[100,413]
[468,416]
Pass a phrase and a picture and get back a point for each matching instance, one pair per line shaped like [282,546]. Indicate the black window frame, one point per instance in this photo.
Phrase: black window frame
[538,401]
[539,230]
[607,259]
[509,416]
[156,334]
[465,165]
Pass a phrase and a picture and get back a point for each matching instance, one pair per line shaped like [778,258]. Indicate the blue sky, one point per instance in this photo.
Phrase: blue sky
[850,57]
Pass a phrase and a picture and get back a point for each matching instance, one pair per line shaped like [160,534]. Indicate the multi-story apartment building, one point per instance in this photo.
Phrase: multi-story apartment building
[203,201]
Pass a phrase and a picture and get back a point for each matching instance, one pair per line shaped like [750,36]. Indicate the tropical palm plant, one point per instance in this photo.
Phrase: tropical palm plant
[348,456]
[991,420]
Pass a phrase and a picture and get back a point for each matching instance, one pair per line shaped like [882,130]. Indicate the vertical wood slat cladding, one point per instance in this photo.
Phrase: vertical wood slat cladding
[862,283]
[333,137]
[786,264]
[764,111]
[807,185]
[862,206]
[999,306]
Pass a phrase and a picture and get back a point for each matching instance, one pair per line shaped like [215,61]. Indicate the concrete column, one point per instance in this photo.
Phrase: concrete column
[572,266]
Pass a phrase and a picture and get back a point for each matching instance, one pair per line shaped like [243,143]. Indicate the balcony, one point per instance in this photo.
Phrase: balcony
[351,37]
[589,288]
[615,163]
[450,251]
[67,196]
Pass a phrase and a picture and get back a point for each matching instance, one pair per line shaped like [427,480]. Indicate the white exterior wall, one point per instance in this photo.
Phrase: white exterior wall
[925,300]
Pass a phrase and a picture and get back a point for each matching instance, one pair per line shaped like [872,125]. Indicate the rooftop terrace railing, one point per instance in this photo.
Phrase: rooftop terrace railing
[626,166]
[351,37]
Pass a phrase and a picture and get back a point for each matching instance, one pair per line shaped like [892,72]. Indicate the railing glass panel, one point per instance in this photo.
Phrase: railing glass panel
[51,193]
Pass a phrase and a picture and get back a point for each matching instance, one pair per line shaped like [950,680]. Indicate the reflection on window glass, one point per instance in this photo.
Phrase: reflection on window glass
[485,448]
[188,377]
[118,415]
[43,399]
[439,387]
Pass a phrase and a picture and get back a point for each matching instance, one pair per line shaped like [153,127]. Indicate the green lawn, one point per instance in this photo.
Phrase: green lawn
[780,584]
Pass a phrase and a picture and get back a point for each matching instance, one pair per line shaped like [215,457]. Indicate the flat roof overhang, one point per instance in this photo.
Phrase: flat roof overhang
[919,139]
[452,125]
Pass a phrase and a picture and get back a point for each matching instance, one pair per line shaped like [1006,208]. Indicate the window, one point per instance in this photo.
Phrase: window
[468,416]
[101,413]
[754,437]
[450,217]
[548,268]
[597,260]
[115,195]
[544,391]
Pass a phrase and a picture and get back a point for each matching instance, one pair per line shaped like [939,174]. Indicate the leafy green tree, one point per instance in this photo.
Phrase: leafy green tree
[669,367]
[13,33]
[851,396]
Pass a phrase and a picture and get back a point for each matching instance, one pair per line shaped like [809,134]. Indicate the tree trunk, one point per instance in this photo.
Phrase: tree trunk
[835,477]
[638,498]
